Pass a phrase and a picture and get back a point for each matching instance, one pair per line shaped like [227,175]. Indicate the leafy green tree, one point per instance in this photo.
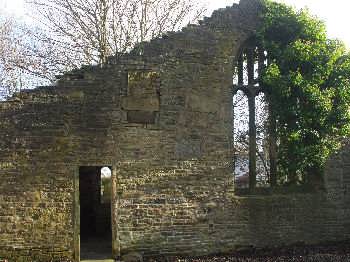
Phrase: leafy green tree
[308,79]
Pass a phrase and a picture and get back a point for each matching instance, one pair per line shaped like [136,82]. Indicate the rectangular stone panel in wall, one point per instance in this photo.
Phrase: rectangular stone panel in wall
[142,83]
[141,117]
[142,99]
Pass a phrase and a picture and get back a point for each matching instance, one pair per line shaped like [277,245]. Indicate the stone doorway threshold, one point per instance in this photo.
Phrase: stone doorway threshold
[96,250]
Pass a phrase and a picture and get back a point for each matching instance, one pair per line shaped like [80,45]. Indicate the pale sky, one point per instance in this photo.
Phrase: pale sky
[335,13]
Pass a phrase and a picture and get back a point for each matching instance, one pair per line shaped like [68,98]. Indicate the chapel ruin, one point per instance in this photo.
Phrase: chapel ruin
[137,156]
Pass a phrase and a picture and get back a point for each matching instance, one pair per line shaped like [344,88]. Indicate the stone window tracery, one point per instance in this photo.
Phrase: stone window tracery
[248,91]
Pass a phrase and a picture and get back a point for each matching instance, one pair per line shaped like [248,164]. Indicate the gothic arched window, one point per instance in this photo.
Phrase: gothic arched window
[250,62]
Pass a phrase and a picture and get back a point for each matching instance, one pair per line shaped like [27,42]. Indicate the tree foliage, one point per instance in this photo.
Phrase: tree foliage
[308,79]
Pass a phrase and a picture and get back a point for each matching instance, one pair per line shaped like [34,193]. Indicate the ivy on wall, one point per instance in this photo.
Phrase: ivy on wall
[308,77]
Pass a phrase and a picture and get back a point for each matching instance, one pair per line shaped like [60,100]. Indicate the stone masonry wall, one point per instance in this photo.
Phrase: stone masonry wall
[161,116]
[46,135]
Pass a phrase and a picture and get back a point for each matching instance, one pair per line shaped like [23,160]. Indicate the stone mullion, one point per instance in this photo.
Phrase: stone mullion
[252,126]
[240,70]
[252,141]
[250,65]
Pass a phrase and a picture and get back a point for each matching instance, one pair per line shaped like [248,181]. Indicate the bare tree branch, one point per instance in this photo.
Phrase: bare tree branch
[105,27]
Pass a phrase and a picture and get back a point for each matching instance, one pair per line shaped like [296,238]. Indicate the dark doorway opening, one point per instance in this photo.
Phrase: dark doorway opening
[95,212]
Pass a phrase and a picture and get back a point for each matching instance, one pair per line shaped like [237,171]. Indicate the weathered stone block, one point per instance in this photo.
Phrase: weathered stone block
[141,117]
[202,103]
[142,82]
[148,103]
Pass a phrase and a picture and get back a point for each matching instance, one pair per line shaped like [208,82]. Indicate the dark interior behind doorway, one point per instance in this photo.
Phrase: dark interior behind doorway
[95,212]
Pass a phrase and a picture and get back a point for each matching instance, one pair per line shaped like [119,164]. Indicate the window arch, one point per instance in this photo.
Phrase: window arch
[250,62]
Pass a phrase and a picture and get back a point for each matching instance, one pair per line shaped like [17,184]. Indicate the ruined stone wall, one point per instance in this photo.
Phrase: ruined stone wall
[161,116]
[34,189]
[46,134]
[176,195]
[170,173]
